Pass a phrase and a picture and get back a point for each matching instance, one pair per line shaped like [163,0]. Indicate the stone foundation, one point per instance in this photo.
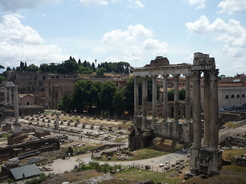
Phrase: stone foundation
[207,161]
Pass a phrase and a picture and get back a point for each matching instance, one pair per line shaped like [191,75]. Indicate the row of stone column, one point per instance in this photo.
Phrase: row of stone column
[210,109]
[165,97]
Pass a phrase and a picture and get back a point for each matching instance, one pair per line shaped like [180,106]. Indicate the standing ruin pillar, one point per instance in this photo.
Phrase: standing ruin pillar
[154,97]
[5,94]
[206,109]
[165,98]
[176,98]
[187,100]
[10,96]
[144,96]
[136,98]
[196,109]
[214,127]
[16,105]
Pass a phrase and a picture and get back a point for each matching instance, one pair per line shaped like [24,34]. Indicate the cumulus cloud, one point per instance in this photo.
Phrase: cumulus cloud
[232,33]
[132,33]
[96,2]
[198,3]
[136,4]
[22,43]
[157,47]
[230,6]
[13,5]
[133,55]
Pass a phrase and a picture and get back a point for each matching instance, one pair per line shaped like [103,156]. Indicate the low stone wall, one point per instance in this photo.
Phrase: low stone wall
[10,151]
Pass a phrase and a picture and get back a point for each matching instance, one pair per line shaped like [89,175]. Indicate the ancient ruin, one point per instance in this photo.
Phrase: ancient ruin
[205,156]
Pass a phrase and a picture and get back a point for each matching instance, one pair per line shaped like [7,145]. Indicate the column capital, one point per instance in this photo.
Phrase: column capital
[165,75]
[176,75]
[214,74]
[196,74]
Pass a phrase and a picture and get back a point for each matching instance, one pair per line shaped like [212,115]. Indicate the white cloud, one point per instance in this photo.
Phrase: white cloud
[96,2]
[133,54]
[138,4]
[157,47]
[22,43]
[230,6]
[14,5]
[132,33]
[234,51]
[198,3]
[98,50]
[231,33]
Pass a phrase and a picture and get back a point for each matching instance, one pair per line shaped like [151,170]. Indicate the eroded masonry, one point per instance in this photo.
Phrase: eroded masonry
[205,155]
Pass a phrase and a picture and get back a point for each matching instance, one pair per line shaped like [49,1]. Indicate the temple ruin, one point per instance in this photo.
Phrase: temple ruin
[205,155]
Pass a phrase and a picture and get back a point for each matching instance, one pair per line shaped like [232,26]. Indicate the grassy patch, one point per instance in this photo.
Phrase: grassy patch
[229,154]
[38,180]
[143,175]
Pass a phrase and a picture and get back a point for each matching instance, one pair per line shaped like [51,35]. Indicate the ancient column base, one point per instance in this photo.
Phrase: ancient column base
[207,161]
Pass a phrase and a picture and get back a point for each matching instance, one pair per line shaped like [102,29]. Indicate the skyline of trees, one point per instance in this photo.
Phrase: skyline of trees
[73,66]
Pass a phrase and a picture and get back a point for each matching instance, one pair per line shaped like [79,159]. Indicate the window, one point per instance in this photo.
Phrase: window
[243,95]
[226,97]
[232,96]
[238,96]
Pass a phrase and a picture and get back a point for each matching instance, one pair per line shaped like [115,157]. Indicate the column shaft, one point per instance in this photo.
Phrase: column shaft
[187,100]
[165,98]
[154,97]
[5,94]
[206,108]
[196,109]
[16,104]
[10,98]
[176,97]
[214,127]
[144,96]
[136,98]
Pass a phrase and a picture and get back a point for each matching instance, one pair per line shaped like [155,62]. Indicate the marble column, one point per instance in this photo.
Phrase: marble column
[176,97]
[16,104]
[136,97]
[10,96]
[144,96]
[196,109]
[206,108]
[5,95]
[154,97]
[165,98]
[214,127]
[187,100]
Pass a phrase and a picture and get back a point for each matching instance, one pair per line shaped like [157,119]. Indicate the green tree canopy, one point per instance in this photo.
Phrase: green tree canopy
[106,96]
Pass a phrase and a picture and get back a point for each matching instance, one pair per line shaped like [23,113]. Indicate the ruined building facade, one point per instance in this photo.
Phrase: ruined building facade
[205,156]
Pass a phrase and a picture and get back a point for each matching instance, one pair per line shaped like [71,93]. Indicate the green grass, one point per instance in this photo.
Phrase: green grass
[229,154]
[234,125]
[104,168]
[3,139]
[143,175]
[138,155]
[38,180]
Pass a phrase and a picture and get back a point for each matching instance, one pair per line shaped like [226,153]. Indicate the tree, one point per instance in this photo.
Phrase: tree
[171,95]
[67,103]
[119,102]
[106,96]
[2,78]
[32,68]
[100,71]
[182,93]
[1,67]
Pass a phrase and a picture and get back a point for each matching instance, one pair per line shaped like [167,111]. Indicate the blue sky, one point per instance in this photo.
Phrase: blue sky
[49,31]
